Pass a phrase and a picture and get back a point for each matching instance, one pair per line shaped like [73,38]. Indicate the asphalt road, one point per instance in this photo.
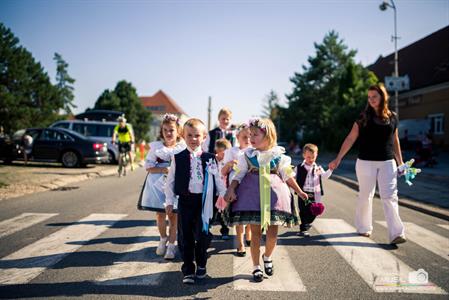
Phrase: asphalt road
[89,240]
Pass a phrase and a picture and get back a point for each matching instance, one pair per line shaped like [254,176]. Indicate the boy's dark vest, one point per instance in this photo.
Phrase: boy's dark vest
[215,134]
[182,170]
[301,177]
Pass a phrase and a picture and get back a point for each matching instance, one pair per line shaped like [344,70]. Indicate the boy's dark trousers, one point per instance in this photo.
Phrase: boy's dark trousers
[218,218]
[305,214]
[192,241]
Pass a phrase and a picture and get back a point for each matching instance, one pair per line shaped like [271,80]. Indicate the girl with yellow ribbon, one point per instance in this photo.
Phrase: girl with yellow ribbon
[260,193]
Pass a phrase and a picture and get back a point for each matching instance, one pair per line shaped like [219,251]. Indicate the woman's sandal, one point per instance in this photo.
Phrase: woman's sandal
[258,275]
[248,243]
[268,265]
[240,253]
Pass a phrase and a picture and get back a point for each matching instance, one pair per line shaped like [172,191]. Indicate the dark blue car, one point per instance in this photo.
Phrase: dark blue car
[59,145]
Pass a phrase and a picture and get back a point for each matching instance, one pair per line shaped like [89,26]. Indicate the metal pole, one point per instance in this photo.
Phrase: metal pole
[209,111]
[396,63]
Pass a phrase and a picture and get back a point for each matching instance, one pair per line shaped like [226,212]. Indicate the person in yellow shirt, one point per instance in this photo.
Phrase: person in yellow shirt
[125,137]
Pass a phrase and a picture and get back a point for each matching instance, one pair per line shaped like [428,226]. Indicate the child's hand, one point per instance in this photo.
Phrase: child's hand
[165,170]
[169,209]
[230,195]
[303,195]
[231,164]
[334,164]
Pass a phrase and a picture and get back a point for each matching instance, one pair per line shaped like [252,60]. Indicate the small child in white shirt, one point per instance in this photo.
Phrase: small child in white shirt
[308,177]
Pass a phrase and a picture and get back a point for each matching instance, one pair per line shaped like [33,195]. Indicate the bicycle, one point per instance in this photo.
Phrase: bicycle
[124,157]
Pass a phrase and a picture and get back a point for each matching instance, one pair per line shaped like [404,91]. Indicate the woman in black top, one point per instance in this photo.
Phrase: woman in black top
[379,155]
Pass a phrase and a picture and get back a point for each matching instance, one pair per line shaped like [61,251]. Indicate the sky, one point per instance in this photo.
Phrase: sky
[232,51]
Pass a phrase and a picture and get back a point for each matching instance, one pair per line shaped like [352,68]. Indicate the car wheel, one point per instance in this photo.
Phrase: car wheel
[70,159]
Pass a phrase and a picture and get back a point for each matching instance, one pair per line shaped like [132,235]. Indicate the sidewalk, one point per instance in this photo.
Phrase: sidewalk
[18,180]
[429,192]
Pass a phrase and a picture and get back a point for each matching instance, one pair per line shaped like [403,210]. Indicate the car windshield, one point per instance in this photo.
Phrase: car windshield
[74,133]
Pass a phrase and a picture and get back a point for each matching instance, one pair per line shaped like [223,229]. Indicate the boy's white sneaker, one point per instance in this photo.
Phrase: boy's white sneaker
[171,252]
[160,250]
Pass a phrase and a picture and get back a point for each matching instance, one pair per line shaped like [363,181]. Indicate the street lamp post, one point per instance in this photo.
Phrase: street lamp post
[383,7]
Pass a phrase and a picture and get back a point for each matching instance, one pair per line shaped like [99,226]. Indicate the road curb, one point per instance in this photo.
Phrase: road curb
[426,208]
[59,183]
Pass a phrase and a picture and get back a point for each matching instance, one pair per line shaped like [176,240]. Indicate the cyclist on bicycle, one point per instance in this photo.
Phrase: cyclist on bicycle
[125,138]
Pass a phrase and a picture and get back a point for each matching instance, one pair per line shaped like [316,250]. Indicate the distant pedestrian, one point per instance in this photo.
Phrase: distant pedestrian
[27,147]
[379,154]
[142,149]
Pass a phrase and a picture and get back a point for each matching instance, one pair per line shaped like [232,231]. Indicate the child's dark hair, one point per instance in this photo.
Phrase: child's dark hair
[168,119]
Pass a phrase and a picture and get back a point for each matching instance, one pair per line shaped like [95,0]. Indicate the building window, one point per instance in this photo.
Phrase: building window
[437,123]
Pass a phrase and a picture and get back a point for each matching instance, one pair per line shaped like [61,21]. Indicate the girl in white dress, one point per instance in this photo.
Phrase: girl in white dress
[152,196]
[230,164]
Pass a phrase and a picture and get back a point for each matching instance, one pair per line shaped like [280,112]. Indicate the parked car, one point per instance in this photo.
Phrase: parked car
[58,145]
[99,130]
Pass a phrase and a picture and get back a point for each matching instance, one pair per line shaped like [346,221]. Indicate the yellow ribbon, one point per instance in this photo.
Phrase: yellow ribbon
[265,196]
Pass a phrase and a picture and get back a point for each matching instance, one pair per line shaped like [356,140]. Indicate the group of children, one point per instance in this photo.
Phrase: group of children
[190,168]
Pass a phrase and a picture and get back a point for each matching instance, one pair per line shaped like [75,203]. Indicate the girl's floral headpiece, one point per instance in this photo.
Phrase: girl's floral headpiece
[257,122]
[241,127]
[171,118]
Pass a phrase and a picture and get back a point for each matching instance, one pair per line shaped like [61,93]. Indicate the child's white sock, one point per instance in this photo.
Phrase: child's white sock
[257,267]
[266,258]
[163,239]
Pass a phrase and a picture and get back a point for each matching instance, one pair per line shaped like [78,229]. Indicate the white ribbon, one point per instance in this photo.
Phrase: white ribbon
[208,193]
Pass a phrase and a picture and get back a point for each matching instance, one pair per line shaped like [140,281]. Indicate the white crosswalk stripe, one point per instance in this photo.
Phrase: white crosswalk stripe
[425,238]
[22,221]
[287,280]
[138,265]
[445,226]
[27,263]
[136,269]
[381,270]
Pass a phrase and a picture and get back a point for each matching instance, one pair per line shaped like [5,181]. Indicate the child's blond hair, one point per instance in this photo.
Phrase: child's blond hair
[225,111]
[195,123]
[310,147]
[223,144]
[267,126]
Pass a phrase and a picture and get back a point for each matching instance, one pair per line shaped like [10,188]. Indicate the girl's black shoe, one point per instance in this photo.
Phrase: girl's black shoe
[268,266]
[248,243]
[258,275]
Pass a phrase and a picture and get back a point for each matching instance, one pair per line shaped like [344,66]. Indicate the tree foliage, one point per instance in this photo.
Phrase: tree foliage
[327,96]
[124,98]
[271,104]
[27,96]
[64,83]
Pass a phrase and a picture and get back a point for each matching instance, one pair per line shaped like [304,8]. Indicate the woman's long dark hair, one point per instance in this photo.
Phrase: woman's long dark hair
[383,112]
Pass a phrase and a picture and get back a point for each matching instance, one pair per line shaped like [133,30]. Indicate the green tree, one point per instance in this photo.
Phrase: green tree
[271,102]
[327,95]
[64,83]
[271,110]
[124,98]
[108,100]
[27,97]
